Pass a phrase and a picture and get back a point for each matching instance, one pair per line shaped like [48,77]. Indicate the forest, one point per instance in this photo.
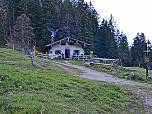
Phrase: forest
[24,24]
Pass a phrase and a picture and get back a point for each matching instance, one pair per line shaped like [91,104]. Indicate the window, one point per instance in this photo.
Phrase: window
[71,43]
[63,43]
[58,52]
[76,51]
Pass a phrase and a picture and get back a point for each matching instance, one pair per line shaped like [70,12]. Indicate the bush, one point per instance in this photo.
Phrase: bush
[135,77]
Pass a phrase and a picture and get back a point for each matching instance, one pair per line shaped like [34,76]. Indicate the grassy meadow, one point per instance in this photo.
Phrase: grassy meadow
[37,89]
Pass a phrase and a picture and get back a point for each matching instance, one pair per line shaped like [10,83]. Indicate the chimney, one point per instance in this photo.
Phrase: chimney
[52,39]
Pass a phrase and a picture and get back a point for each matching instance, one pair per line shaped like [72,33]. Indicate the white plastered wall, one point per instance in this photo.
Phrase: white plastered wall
[58,46]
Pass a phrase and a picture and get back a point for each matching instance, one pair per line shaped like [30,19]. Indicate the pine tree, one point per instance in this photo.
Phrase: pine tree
[137,50]
[124,54]
[50,19]
[104,38]
[35,14]
[7,5]
[32,9]
[3,29]
[113,50]
[24,34]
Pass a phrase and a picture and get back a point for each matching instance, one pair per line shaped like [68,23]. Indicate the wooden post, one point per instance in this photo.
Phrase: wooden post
[22,50]
[32,61]
[147,62]
[46,54]
[34,51]
[99,62]
[147,71]
[115,67]
[121,64]
[83,59]
[112,67]
[13,46]
[105,63]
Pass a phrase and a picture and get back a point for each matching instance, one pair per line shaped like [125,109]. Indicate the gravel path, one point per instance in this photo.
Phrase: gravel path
[143,90]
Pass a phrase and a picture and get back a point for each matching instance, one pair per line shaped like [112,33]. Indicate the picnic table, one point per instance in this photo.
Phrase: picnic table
[113,62]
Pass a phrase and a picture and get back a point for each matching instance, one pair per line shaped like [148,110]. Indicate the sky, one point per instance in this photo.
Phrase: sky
[131,16]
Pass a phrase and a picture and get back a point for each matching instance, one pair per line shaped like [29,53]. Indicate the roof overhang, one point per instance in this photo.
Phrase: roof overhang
[49,46]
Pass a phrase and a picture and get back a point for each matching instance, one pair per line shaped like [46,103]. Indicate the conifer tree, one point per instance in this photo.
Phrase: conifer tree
[32,9]
[7,7]
[3,29]
[105,40]
[113,50]
[24,34]
[137,50]
[50,19]
[124,54]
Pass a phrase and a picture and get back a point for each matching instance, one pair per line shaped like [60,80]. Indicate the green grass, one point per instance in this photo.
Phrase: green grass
[139,75]
[61,61]
[76,62]
[26,88]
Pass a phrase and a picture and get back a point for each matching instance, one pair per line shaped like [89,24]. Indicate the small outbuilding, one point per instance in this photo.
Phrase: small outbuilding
[66,47]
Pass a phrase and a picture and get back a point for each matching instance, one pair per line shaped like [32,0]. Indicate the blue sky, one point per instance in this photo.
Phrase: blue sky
[131,16]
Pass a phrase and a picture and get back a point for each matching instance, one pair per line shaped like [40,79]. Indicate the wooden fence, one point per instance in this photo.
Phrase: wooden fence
[75,57]
[80,57]
[49,56]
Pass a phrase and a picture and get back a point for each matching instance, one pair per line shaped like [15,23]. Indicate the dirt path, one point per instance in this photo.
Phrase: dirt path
[143,90]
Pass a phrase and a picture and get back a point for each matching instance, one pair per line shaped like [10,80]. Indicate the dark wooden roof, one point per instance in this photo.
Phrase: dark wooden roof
[49,46]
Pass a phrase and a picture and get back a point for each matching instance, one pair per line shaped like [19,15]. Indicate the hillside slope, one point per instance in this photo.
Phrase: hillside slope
[27,88]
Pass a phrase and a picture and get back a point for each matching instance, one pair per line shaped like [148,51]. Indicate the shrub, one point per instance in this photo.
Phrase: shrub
[135,77]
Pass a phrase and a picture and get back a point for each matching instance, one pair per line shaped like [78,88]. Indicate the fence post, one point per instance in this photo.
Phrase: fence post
[13,46]
[99,62]
[83,59]
[32,61]
[22,50]
[34,51]
[105,63]
[46,54]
